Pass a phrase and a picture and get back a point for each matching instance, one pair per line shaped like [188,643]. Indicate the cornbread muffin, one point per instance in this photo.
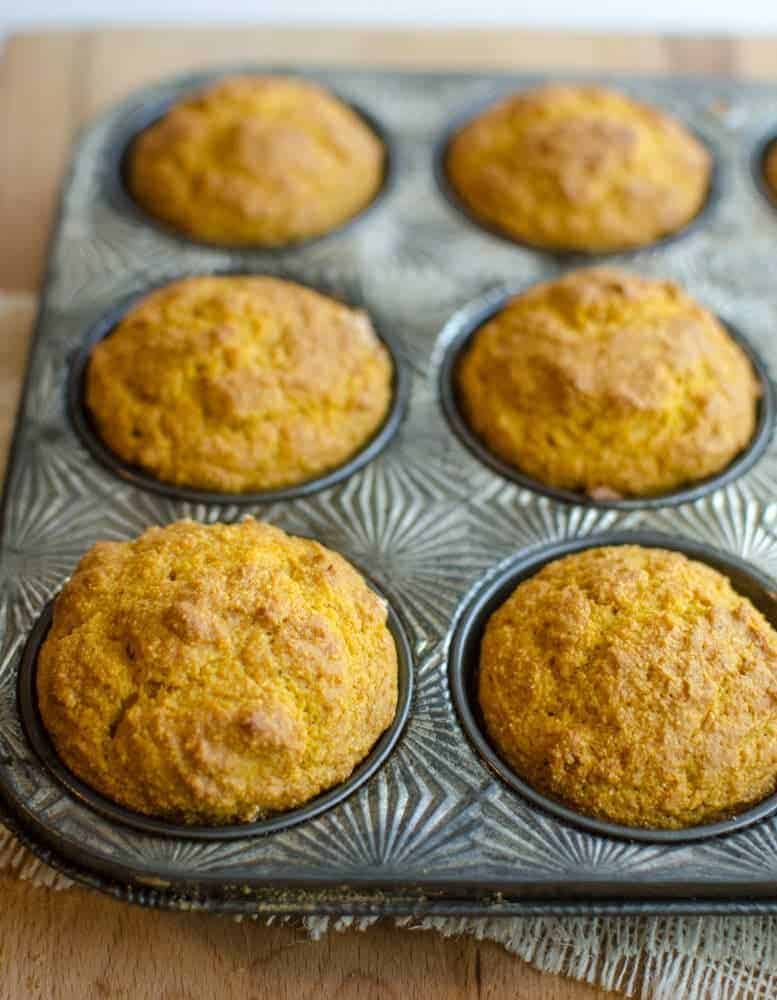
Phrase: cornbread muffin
[216,673]
[770,169]
[579,168]
[635,685]
[262,160]
[239,383]
[609,384]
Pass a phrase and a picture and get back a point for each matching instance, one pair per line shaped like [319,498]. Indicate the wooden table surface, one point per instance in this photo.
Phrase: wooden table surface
[77,944]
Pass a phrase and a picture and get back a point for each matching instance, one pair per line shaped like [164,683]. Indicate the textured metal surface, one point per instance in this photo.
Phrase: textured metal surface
[433,830]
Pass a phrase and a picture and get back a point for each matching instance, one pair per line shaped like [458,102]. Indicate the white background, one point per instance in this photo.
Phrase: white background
[688,16]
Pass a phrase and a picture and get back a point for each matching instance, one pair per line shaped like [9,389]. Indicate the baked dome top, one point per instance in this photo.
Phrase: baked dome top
[610,384]
[215,673]
[264,160]
[239,383]
[636,685]
[579,168]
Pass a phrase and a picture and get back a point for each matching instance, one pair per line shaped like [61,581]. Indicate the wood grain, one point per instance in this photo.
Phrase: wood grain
[76,945]
[39,92]
[17,313]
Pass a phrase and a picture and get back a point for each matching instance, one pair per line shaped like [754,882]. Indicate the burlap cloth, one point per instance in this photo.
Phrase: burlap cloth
[664,958]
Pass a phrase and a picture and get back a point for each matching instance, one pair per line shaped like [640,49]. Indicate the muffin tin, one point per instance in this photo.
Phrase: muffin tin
[436,826]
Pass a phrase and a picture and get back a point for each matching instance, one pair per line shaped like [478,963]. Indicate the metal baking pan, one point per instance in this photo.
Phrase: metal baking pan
[435,829]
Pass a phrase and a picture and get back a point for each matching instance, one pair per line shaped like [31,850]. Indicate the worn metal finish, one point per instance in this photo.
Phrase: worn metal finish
[433,830]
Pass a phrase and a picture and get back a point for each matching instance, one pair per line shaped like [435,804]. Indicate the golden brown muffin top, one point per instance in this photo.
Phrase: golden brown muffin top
[579,168]
[610,384]
[770,168]
[636,685]
[215,673]
[239,383]
[262,160]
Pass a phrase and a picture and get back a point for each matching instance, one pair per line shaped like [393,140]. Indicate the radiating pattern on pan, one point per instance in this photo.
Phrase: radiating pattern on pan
[426,520]
[729,520]
[547,846]
[426,460]
[506,518]
[752,854]
[759,482]
[401,819]
[13,745]
[58,513]
[417,551]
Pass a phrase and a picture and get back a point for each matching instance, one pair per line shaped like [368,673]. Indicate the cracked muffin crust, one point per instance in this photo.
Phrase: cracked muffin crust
[636,685]
[263,160]
[239,383]
[579,168]
[215,673]
[609,384]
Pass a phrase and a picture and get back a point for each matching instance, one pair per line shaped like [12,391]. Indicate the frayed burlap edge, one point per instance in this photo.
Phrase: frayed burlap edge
[663,958]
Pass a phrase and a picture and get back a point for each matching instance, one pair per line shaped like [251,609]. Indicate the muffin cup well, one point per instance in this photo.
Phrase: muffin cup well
[89,435]
[41,743]
[464,660]
[130,128]
[455,339]
[564,255]
[758,163]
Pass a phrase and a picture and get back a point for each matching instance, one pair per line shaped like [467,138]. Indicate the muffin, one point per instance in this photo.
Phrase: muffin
[263,160]
[216,673]
[770,169]
[239,383]
[635,685]
[609,384]
[579,168]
